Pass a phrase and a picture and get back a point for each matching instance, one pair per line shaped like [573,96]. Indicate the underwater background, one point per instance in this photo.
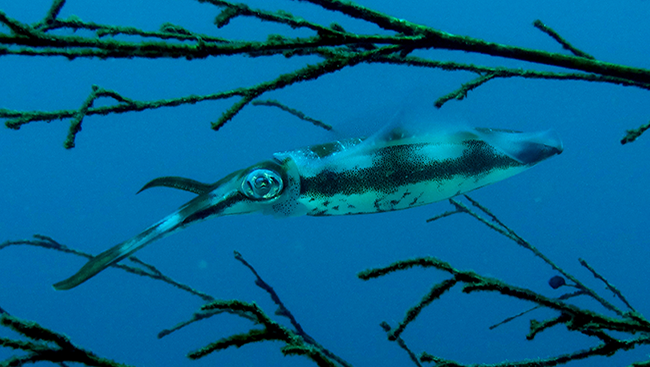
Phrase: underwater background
[591,201]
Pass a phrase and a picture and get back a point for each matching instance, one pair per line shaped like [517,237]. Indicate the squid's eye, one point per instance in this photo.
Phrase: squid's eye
[262,184]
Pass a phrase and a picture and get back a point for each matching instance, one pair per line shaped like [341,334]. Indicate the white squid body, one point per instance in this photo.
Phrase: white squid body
[394,169]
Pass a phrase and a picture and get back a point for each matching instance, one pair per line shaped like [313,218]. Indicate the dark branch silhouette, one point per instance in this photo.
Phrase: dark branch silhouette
[337,47]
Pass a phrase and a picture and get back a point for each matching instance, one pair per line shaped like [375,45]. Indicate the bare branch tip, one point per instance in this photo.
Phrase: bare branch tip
[564,43]
[633,134]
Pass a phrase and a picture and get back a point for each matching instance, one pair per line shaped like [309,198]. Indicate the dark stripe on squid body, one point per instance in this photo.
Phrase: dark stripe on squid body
[400,165]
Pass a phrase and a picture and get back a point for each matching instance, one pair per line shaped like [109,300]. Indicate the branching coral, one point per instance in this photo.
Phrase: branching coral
[337,48]
[45,345]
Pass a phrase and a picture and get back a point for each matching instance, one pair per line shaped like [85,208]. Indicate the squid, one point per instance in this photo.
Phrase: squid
[397,168]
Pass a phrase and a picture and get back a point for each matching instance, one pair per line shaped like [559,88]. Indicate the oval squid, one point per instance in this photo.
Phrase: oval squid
[393,170]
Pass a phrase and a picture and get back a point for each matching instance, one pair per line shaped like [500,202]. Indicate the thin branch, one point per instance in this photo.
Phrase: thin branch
[565,44]
[402,344]
[501,228]
[444,215]
[75,124]
[294,344]
[284,311]
[537,327]
[52,14]
[234,10]
[633,134]
[501,72]
[46,345]
[202,315]
[599,350]
[18,28]
[19,118]
[436,292]
[233,110]
[299,114]
[167,30]
[609,285]
[309,72]
[511,318]
[461,92]
[153,273]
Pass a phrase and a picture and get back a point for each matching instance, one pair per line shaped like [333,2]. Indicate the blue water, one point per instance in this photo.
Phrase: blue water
[589,202]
